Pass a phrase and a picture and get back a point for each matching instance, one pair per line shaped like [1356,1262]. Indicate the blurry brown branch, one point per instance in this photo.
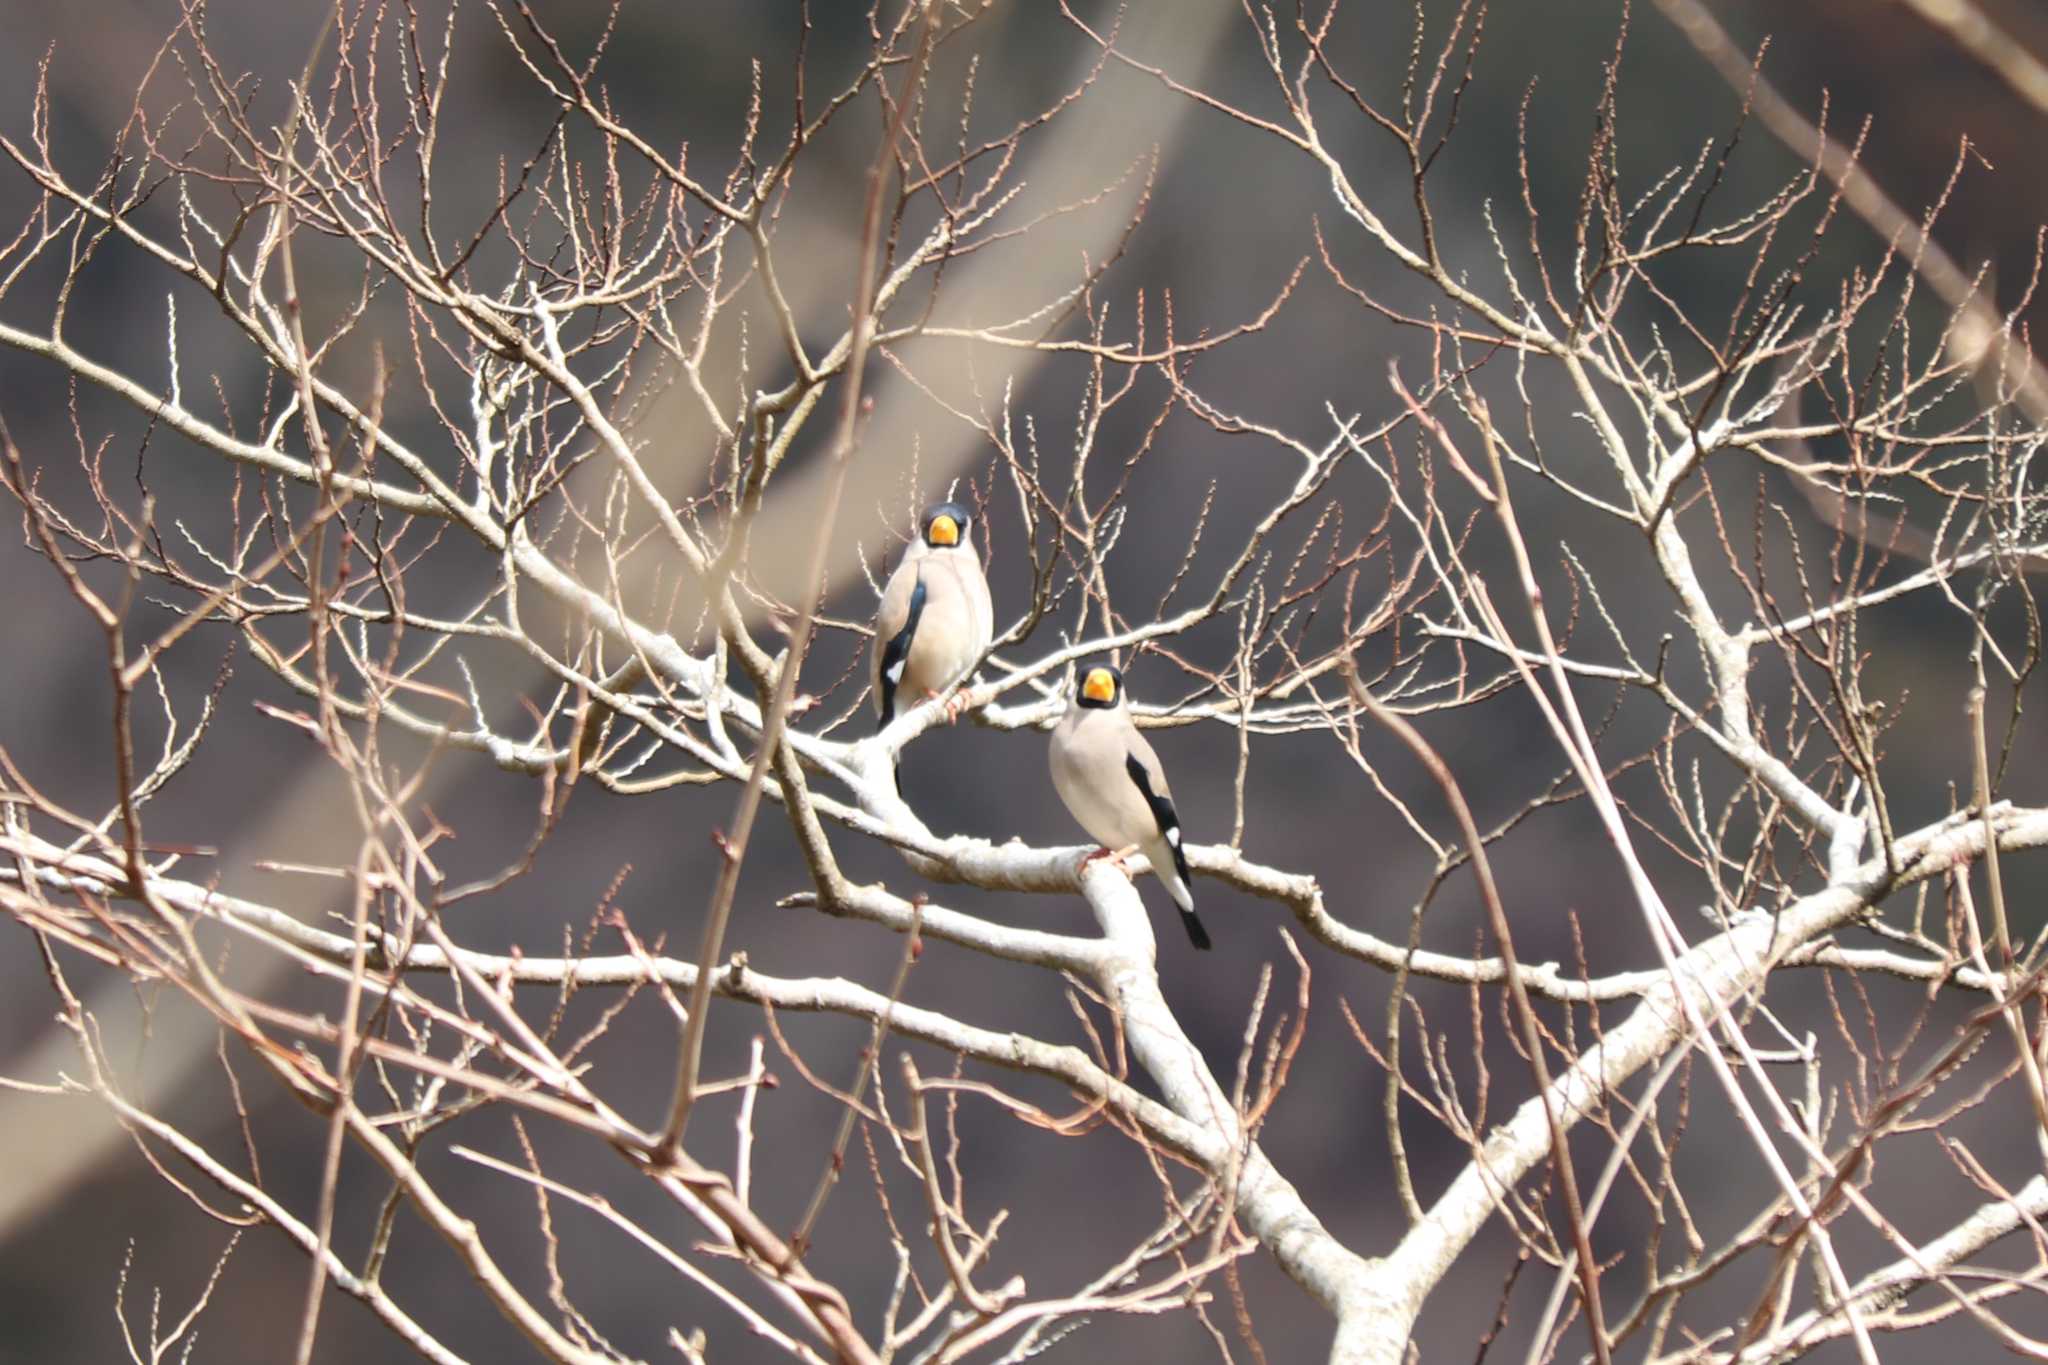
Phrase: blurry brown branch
[1982,337]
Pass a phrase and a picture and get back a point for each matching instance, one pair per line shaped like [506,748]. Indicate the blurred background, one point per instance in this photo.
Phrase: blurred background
[1230,217]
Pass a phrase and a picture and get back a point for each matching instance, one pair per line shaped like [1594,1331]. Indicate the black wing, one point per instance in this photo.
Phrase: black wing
[1169,826]
[896,654]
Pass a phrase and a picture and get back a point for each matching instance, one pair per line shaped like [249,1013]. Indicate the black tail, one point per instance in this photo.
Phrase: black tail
[1197,935]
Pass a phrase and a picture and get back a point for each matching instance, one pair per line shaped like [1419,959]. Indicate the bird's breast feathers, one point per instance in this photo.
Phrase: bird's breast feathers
[951,638]
[1088,772]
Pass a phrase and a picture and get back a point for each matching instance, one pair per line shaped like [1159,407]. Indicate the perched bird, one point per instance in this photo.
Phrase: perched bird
[936,619]
[1113,785]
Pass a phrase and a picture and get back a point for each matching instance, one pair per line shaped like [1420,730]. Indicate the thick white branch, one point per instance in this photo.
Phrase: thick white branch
[1886,1286]
[1271,1208]
[1715,974]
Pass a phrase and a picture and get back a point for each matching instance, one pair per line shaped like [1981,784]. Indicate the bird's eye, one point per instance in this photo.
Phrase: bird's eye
[944,531]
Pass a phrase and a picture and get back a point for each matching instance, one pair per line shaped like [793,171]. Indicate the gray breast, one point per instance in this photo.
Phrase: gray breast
[1087,762]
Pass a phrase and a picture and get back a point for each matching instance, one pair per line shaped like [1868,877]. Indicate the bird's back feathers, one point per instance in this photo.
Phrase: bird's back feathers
[894,657]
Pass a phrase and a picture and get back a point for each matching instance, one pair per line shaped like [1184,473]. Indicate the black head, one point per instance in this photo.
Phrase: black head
[1100,684]
[946,525]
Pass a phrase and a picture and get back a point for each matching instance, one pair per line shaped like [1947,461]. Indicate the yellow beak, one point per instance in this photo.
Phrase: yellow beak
[945,531]
[1099,686]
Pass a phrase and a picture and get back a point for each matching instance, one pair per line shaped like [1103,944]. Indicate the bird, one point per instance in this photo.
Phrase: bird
[1113,786]
[936,618]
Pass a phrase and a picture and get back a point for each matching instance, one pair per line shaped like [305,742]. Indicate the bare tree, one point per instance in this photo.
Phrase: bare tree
[559,470]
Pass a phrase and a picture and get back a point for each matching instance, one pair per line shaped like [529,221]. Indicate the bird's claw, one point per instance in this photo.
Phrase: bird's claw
[1115,857]
[955,705]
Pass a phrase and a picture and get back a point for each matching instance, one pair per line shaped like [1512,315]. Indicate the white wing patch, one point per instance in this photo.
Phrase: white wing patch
[896,671]
[1173,836]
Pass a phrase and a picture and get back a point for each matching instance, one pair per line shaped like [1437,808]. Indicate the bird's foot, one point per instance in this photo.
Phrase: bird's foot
[952,704]
[1115,857]
[958,705]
